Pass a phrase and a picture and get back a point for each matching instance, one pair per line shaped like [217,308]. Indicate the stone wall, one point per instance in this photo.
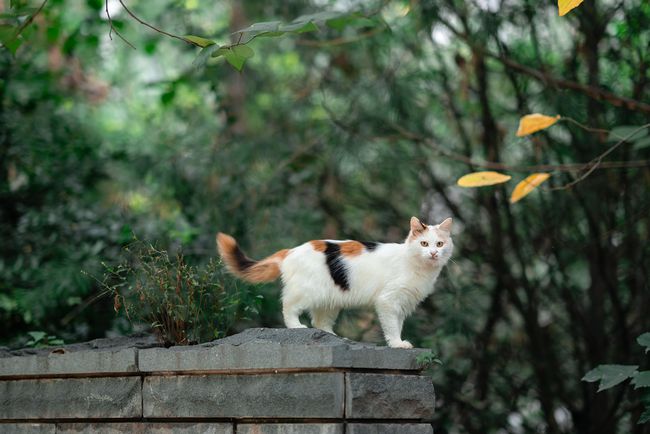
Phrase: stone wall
[260,381]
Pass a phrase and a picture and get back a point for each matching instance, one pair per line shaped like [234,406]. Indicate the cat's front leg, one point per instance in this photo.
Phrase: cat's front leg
[391,320]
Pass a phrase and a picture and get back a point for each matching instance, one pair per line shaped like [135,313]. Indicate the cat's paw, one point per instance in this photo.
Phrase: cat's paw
[401,344]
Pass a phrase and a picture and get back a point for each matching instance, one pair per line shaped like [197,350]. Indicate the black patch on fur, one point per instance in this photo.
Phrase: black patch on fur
[336,266]
[370,245]
[243,261]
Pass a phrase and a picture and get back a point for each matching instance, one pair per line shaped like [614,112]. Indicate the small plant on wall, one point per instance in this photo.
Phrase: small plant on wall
[182,303]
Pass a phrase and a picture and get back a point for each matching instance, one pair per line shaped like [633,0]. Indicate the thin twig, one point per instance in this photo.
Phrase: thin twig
[171,35]
[591,91]
[29,20]
[584,127]
[598,161]
[113,29]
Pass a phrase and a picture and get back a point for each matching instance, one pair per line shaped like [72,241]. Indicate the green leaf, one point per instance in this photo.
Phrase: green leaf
[270,34]
[641,379]
[8,38]
[620,133]
[199,41]
[641,143]
[234,59]
[204,54]
[7,33]
[645,417]
[37,336]
[266,26]
[644,341]
[356,20]
[243,51]
[13,45]
[299,27]
[610,375]
[220,52]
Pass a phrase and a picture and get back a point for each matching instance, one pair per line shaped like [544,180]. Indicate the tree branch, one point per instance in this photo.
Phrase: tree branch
[591,91]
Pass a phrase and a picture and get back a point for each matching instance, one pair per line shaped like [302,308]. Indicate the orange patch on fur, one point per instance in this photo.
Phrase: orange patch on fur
[280,254]
[318,245]
[351,248]
[266,270]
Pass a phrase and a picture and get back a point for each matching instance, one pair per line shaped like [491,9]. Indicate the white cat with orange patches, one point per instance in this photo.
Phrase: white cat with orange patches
[324,276]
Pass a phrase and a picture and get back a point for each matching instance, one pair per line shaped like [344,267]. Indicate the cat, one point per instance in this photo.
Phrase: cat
[324,276]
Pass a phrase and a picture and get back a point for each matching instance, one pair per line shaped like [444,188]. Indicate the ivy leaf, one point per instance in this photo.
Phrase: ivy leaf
[644,341]
[565,6]
[199,41]
[481,179]
[641,379]
[532,123]
[527,185]
[610,375]
[204,54]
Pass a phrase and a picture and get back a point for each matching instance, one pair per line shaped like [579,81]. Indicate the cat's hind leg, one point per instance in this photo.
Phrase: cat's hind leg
[292,307]
[324,318]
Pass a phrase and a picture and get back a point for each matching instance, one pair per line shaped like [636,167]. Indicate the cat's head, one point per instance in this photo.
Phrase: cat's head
[432,244]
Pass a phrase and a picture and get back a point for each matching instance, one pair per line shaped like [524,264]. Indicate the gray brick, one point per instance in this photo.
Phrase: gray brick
[317,395]
[27,428]
[389,428]
[115,397]
[384,396]
[290,428]
[145,428]
[79,362]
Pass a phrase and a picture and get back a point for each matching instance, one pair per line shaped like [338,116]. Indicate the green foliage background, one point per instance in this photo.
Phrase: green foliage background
[345,133]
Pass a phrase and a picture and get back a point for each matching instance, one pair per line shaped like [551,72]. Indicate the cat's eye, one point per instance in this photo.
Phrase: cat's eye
[440,244]
[424,244]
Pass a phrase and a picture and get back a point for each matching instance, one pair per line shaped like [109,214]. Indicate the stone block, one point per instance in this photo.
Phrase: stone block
[74,398]
[145,428]
[290,428]
[81,362]
[385,396]
[309,395]
[27,428]
[389,428]
[277,349]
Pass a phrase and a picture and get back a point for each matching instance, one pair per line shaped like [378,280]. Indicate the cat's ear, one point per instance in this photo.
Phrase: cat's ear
[445,225]
[417,225]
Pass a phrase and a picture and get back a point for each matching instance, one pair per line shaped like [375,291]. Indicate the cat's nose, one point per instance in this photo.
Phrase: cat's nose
[434,255]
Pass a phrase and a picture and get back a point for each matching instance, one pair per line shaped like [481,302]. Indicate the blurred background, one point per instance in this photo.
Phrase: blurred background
[344,133]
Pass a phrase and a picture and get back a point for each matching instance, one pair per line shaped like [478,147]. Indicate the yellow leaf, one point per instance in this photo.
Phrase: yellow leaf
[564,6]
[527,185]
[530,124]
[481,179]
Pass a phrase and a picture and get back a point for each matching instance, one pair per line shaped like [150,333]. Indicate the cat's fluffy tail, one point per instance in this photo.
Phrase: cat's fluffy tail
[240,265]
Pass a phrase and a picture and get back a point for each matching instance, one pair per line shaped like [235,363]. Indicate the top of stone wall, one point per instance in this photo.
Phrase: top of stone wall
[253,349]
